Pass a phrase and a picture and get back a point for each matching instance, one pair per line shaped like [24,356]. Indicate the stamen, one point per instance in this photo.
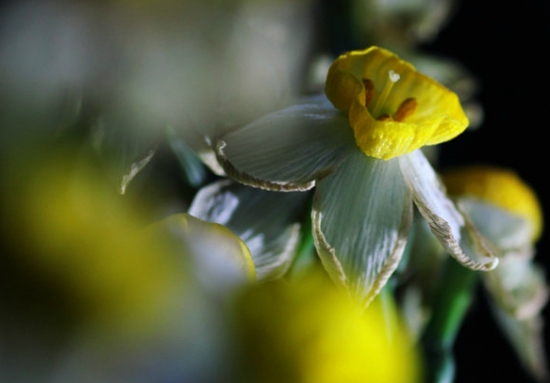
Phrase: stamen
[369,91]
[384,117]
[393,78]
[406,108]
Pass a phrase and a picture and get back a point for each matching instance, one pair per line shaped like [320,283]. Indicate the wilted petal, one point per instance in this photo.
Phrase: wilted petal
[134,168]
[526,337]
[289,149]
[504,229]
[361,218]
[268,222]
[518,285]
[500,187]
[126,152]
[450,226]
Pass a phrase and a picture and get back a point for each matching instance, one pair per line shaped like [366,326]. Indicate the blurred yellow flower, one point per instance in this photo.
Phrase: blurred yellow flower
[307,331]
[126,296]
[500,187]
[69,225]
[123,273]
[392,108]
[507,212]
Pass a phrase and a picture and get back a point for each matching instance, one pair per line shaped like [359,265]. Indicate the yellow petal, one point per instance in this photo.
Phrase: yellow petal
[437,118]
[500,187]
[388,139]
[342,87]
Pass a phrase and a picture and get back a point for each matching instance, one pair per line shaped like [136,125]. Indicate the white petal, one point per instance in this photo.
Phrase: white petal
[361,219]
[268,222]
[450,226]
[506,230]
[288,149]
[221,261]
[527,338]
[518,285]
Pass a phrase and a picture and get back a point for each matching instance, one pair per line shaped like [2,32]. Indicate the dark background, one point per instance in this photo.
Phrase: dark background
[505,47]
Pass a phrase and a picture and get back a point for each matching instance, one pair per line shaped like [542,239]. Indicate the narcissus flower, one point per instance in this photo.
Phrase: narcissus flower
[508,214]
[392,109]
[360,150]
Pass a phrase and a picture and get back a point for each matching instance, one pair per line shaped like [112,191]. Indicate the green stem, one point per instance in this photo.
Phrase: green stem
[389,310]
[450,305]
[305,255]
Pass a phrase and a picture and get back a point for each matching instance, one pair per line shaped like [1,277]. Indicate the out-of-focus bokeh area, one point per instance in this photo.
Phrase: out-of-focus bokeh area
[105,109]
[93,292]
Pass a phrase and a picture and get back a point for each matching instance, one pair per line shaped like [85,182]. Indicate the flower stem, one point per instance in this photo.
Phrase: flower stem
[305,257]
[450,305]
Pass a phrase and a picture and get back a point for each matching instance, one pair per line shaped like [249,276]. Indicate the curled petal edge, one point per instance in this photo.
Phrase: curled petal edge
[250,180]
[447,221]
[442,230]
[334,268]
[279,268]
